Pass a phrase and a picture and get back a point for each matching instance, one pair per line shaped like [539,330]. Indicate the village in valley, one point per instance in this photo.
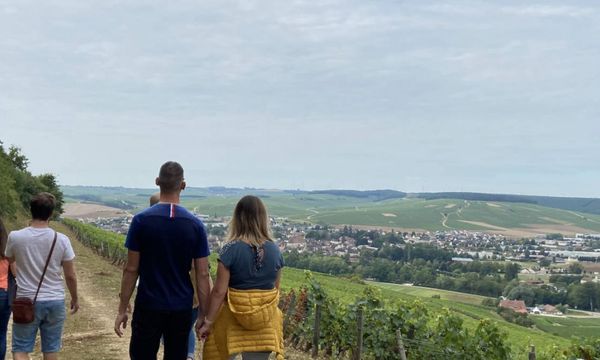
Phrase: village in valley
[536,254]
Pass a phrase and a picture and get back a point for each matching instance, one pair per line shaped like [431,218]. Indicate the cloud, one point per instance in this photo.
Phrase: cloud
[549,11]
[398,85]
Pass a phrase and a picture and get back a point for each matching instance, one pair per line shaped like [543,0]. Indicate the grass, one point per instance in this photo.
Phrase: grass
[568,327]
[467,306]
[430,292]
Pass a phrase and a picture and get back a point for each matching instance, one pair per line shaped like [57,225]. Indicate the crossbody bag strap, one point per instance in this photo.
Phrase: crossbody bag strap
[45,267]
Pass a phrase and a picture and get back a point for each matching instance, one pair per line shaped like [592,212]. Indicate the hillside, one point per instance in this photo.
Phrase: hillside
[385,208]
[343,291]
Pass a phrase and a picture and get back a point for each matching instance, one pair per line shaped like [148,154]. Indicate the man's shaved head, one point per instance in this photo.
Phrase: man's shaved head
[170,177]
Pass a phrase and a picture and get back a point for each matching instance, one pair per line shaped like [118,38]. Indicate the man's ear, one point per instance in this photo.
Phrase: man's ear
[157,182]
[183,185]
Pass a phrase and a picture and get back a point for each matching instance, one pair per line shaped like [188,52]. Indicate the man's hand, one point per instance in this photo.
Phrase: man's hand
[74,306]
[203,329]
[121,320]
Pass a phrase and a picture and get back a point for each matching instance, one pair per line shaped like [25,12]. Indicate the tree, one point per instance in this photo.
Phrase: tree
[575,268]
[545,262]
[584,296]
[8,195]
[19,160]
[511,271]
[523,292]
[51,185]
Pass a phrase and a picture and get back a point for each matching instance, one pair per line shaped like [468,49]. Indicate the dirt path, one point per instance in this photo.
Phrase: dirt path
[315,212]
[445,220]
[88,334]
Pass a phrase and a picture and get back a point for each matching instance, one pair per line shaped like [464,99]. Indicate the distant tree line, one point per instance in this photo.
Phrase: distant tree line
[420,264]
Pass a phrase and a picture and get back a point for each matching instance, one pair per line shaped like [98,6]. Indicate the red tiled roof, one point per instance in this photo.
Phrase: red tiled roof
[516,305]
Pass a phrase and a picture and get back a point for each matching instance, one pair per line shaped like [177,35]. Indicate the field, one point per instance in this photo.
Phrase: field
[508,218]
[466,305]
[567,327]
[99,283]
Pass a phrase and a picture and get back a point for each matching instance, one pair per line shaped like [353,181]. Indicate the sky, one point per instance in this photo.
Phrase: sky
[485,96]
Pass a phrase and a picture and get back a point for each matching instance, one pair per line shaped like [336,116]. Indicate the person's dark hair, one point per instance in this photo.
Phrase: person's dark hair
[42,205]
[170,177]
[3,238]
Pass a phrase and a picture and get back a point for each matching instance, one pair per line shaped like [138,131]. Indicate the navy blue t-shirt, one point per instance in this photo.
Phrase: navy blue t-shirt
[251,268]
[168,238]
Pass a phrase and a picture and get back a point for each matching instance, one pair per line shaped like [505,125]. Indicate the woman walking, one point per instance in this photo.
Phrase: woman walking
[248,274]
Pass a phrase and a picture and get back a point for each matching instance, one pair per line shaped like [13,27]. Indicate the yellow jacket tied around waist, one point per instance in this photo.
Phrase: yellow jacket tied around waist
[250,321]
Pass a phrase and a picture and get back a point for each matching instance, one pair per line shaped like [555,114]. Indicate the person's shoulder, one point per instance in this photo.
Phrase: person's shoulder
[147,213]
[62,237]
[152,210]
[230,246]
[271,244]
[186,214]
[19,234]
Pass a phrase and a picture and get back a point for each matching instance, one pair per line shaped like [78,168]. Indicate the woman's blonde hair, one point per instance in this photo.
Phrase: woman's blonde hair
[250,222]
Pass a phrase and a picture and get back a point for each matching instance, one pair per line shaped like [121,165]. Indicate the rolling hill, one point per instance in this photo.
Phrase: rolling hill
[515,215]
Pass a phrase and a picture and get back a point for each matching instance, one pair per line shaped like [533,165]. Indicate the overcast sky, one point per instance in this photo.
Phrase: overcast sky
[491,96]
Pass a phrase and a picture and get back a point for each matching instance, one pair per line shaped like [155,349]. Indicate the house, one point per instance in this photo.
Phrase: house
[517,306]
[550,310]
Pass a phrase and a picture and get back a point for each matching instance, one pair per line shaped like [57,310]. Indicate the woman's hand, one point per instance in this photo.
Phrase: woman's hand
[203,329]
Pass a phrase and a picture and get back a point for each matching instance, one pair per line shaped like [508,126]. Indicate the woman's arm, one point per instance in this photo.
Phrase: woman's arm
[217,296]
[13,269]
[278,279]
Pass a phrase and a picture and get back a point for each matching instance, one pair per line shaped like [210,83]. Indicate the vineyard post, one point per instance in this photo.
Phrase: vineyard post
[290,311]
[359,334]
[532,353]
[401,350]
[317,334]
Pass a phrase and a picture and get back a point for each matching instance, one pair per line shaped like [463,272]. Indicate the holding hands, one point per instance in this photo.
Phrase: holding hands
[203,329]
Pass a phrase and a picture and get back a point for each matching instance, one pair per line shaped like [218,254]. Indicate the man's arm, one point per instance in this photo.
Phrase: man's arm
[71,280]
[130,275]
[217,296]
[202,283]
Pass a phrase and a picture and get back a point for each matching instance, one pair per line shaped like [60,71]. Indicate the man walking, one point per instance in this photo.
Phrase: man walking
[30,249]
[163,241]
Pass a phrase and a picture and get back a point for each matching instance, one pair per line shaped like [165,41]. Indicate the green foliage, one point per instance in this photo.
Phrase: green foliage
[511,271]
[584,296]
[17,185]
[426,334]
[575,268]
[340,209]
[8,195]
[18,159]
[489,302]
[107,244]
[514,317]
[523,292]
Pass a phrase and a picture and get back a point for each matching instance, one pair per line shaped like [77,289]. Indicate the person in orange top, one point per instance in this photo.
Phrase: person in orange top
[4,300]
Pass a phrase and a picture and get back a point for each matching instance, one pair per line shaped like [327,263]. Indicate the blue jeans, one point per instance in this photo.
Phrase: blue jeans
[49,318]
[192,336]
[4,316]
